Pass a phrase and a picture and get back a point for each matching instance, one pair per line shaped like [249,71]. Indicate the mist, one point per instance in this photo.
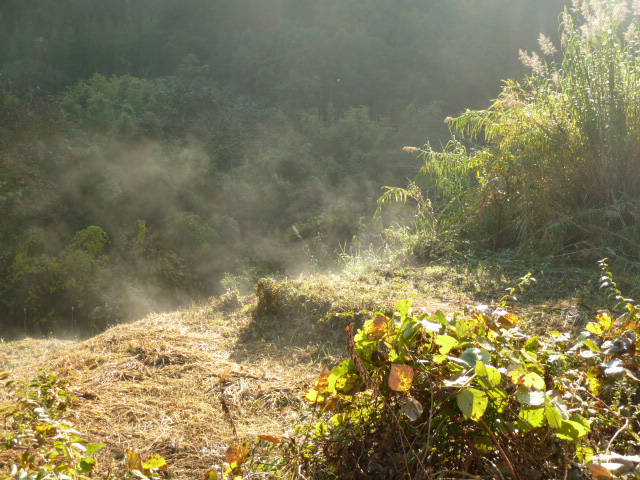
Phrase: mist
[155,154]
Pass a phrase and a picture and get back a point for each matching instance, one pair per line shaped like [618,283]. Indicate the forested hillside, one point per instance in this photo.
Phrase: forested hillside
[149,150]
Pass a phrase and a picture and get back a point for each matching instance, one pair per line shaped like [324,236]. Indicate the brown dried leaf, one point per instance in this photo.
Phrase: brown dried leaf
[401,377]
[134,462]
[236,454]
[323,382]
[598,472]
[270,438]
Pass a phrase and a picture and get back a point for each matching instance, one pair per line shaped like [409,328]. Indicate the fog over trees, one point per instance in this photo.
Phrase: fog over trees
[152,153]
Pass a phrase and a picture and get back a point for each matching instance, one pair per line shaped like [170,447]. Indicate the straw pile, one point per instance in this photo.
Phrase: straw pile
[158,386]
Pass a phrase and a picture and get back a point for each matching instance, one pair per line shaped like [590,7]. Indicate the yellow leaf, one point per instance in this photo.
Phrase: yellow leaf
[377,328]
[157,462]
[401,377]
[211,475]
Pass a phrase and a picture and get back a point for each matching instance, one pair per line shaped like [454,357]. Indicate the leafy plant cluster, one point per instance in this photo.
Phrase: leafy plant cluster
[551,162]
[436,396]
[40,443]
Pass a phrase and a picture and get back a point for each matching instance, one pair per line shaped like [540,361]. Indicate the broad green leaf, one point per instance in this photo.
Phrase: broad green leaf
[401,377]
[605,321]
[446,343]
[570,430]
[499,398]
[553,415]
[492,374]
[534,416]
[346,382]
[472,403]
[475,354]
[591,345]
[441,317]
[520,376]
[314,396]
[94,447]
[529,397]
[532,344]
[585,425]
[404,307]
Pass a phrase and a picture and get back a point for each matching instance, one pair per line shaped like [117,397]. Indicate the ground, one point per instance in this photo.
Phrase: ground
[161,385]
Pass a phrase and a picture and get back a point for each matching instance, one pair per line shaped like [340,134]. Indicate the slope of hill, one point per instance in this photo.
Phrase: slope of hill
[161,385]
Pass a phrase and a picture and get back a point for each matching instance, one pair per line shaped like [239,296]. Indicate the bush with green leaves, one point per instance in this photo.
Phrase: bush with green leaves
[439,396]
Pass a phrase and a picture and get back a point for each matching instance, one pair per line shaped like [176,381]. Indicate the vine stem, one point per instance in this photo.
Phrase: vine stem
[499,447]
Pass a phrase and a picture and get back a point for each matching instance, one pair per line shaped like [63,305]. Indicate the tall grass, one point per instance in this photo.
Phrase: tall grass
[554,162]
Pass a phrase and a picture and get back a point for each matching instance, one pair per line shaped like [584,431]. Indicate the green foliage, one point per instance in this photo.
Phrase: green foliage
[551,162]
[416,384]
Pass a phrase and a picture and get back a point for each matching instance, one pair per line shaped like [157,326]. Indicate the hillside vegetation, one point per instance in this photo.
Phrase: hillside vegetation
[483,322]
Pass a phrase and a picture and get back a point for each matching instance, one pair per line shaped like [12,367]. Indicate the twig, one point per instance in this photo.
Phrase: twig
[500,449]
[626,424]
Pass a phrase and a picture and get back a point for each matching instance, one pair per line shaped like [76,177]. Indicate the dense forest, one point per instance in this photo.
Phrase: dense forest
[155,152]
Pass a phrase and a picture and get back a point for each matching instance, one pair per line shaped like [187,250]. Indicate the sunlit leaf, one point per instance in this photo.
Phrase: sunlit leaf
[532,344]
[404,307]
[346,382]
[534,416]
[270,438]
[401,377]
[157,462]
[594,328]
[525,378]
[508,320]
[591,345]
[529,397]
[472,403]
[605,321]
[314,396]
[491,374]
[446,343]
[237,454]
[212,474]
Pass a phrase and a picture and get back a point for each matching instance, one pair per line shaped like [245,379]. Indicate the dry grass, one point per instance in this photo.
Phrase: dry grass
[157,386]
